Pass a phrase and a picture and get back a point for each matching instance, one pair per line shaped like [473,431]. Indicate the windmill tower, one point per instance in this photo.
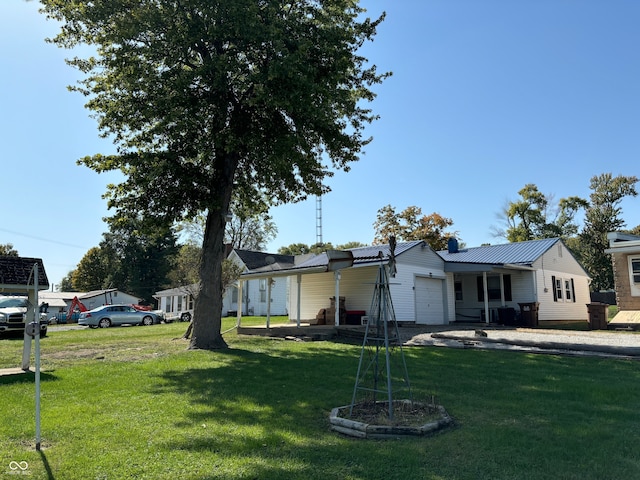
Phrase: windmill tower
[376,374]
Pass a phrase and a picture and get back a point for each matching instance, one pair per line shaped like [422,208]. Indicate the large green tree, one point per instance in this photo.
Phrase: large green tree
[207,97]
[535,216]
[604,215]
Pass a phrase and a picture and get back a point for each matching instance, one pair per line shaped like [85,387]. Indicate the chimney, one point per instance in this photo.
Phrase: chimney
[452,245]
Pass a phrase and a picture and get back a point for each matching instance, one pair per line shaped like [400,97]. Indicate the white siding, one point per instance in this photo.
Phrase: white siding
[429,301]
[357,285]
[559,262]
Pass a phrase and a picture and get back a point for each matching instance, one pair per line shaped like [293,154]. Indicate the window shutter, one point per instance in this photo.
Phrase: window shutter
[480,289]
[573,291]
[553,287]
[506,279]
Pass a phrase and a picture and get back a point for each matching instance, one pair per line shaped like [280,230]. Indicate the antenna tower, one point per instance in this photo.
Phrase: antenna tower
[319,220]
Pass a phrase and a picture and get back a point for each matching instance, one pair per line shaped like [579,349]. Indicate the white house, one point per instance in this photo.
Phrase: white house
[260,296]
[535,281]
[496,281]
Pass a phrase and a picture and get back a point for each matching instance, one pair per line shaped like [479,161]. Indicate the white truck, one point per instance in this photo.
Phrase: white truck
[13,315]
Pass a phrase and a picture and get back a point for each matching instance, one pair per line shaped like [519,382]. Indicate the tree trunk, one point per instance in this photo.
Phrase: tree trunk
[207,309]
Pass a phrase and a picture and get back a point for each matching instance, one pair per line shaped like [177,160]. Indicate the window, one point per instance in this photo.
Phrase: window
[493,288]
[635,270]
[568,290]
[263,290]
[234,294]
[563,289]
[634,275]
[458,289]
[179,303]
[557,285]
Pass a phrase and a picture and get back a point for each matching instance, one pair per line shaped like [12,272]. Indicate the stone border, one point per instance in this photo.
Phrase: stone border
[357,429]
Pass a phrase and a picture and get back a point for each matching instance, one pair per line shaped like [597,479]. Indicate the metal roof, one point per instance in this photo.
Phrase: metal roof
[363,255]
[519,253]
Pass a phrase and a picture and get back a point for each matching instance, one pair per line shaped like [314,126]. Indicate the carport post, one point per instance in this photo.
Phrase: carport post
[299,280]
[269,280]
[337,275]
[486,298]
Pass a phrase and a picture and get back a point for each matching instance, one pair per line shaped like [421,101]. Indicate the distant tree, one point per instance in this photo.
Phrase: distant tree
[303,248]
[603,215]
[411,224]
[7,249]
[93,271]
[534,216]
[186,265]
[250,226]
[140,253]
[207,99]
[350,245]
[66,284]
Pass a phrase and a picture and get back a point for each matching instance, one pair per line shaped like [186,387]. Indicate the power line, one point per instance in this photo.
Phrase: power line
[47,240]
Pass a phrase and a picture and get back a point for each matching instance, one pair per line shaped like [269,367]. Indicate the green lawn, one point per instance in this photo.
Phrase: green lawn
[132,402]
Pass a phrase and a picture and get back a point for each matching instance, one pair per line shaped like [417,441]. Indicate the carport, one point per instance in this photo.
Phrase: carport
[23,276]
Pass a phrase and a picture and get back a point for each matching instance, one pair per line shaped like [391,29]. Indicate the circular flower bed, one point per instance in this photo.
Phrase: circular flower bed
[371,419]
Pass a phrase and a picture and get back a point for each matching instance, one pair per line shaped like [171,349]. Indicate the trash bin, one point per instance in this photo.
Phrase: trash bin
[507,316]
[529,314]
[598,314]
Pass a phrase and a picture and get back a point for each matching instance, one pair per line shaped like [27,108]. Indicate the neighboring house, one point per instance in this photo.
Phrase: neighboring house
[177,303]
[625,256]
[109,296]
[261,296]
[472,284]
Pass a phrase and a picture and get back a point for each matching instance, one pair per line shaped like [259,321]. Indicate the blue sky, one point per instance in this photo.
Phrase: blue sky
[486,96]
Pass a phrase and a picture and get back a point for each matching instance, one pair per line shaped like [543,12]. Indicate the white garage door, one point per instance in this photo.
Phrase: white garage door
[429,301]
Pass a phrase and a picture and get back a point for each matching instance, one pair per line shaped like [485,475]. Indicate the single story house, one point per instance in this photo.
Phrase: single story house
[625,256]
[251,297]
[539,279]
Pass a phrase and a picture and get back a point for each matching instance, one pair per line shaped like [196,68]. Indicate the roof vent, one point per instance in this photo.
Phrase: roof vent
[452,245]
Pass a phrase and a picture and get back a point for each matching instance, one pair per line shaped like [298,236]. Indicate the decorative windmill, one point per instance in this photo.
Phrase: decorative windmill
[376,374]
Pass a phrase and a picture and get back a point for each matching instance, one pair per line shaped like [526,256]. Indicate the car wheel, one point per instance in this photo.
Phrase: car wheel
[185,317]
[104,323]
[147,320]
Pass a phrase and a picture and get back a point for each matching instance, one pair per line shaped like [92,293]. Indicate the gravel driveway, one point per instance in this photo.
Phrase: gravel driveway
[596,342]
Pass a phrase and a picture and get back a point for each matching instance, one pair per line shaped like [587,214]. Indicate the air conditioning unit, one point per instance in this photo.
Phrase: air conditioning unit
[364,319]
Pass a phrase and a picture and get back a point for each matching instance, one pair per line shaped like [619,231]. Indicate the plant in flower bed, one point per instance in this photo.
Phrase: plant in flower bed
[405,413]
